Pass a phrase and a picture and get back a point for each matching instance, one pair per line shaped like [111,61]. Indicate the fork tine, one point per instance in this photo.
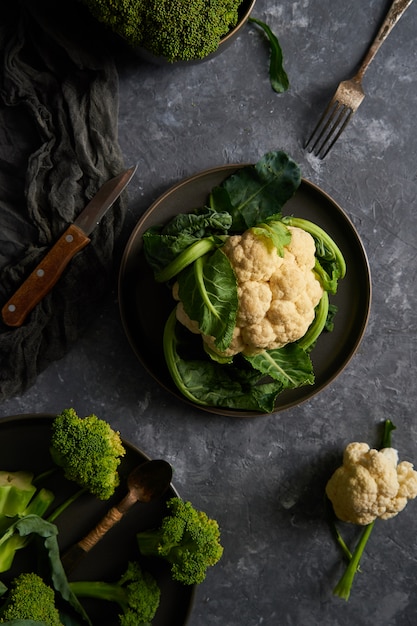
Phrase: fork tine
[334,133]
[329,128]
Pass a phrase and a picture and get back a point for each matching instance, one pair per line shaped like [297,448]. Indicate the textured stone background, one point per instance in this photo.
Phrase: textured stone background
[263,478]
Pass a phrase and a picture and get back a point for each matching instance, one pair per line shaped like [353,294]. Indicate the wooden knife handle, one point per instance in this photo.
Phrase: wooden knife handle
[44,276]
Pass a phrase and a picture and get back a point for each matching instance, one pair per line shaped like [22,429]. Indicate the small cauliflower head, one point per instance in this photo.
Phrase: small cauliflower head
[277,294]
[371,484]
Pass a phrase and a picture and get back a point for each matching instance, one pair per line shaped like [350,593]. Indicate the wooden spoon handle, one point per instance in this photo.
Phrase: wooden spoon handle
[77,551]
[109,520]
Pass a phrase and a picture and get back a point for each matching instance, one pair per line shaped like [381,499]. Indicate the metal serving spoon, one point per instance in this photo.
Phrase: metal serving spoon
[145,483]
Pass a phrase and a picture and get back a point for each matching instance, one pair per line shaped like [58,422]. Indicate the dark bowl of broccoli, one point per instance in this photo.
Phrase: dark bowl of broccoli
[164,32]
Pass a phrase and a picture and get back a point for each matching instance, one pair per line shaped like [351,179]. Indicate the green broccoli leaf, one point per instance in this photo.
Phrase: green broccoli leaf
[33,525]
[163,244]
[290,365]
[276,231]
[208,291]
[257,192]
[200,223]
[277,75]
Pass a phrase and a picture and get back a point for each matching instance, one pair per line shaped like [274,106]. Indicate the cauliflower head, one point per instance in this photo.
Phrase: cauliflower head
[277,294]
[371,484]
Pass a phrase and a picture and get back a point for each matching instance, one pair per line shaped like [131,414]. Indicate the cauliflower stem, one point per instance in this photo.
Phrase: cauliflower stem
[344,585]
[185,258]
[330,265]
[322,311]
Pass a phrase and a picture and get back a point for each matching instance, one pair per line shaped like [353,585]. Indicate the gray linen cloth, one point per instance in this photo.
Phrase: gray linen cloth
[58,145]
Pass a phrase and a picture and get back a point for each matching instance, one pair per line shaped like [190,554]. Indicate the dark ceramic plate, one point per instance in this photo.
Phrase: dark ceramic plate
[24,445]
[145,305]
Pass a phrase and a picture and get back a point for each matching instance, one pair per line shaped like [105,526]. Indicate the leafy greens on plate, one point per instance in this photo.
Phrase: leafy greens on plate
[189,254]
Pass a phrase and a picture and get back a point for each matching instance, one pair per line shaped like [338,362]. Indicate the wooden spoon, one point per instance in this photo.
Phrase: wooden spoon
[145,483]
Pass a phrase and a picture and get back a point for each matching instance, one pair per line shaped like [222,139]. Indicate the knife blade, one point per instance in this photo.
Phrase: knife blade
[46,274]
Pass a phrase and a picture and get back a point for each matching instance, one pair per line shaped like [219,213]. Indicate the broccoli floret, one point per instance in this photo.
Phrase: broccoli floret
[88,450]
[30,598]
[181,30]
[188,539]
[137,593]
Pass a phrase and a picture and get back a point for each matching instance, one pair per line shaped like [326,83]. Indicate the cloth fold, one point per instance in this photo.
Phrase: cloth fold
[58,145]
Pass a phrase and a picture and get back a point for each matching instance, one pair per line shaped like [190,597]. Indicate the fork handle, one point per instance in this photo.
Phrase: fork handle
[398,8]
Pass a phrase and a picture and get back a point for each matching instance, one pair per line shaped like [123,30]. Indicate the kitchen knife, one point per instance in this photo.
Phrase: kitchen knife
[74,239]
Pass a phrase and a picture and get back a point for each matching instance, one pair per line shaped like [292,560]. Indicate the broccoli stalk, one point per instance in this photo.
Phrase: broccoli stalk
[343,587]
[10,541]
[137,594]
[30,598]
[16,491]
[187,539]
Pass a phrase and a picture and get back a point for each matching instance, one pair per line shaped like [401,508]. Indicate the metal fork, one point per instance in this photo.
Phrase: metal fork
[349,94]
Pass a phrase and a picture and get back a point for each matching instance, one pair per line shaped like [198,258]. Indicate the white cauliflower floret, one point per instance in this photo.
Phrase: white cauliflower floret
[254,302]
[258,336]
[280,293]
[371,484]
[289,282]
[288,322]
[277,295]
[252,257]
[302,246]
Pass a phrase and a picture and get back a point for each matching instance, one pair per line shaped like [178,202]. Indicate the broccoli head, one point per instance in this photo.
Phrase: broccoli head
[137,593]
[30,598]
[188,539]
[88,450]
[179,31]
